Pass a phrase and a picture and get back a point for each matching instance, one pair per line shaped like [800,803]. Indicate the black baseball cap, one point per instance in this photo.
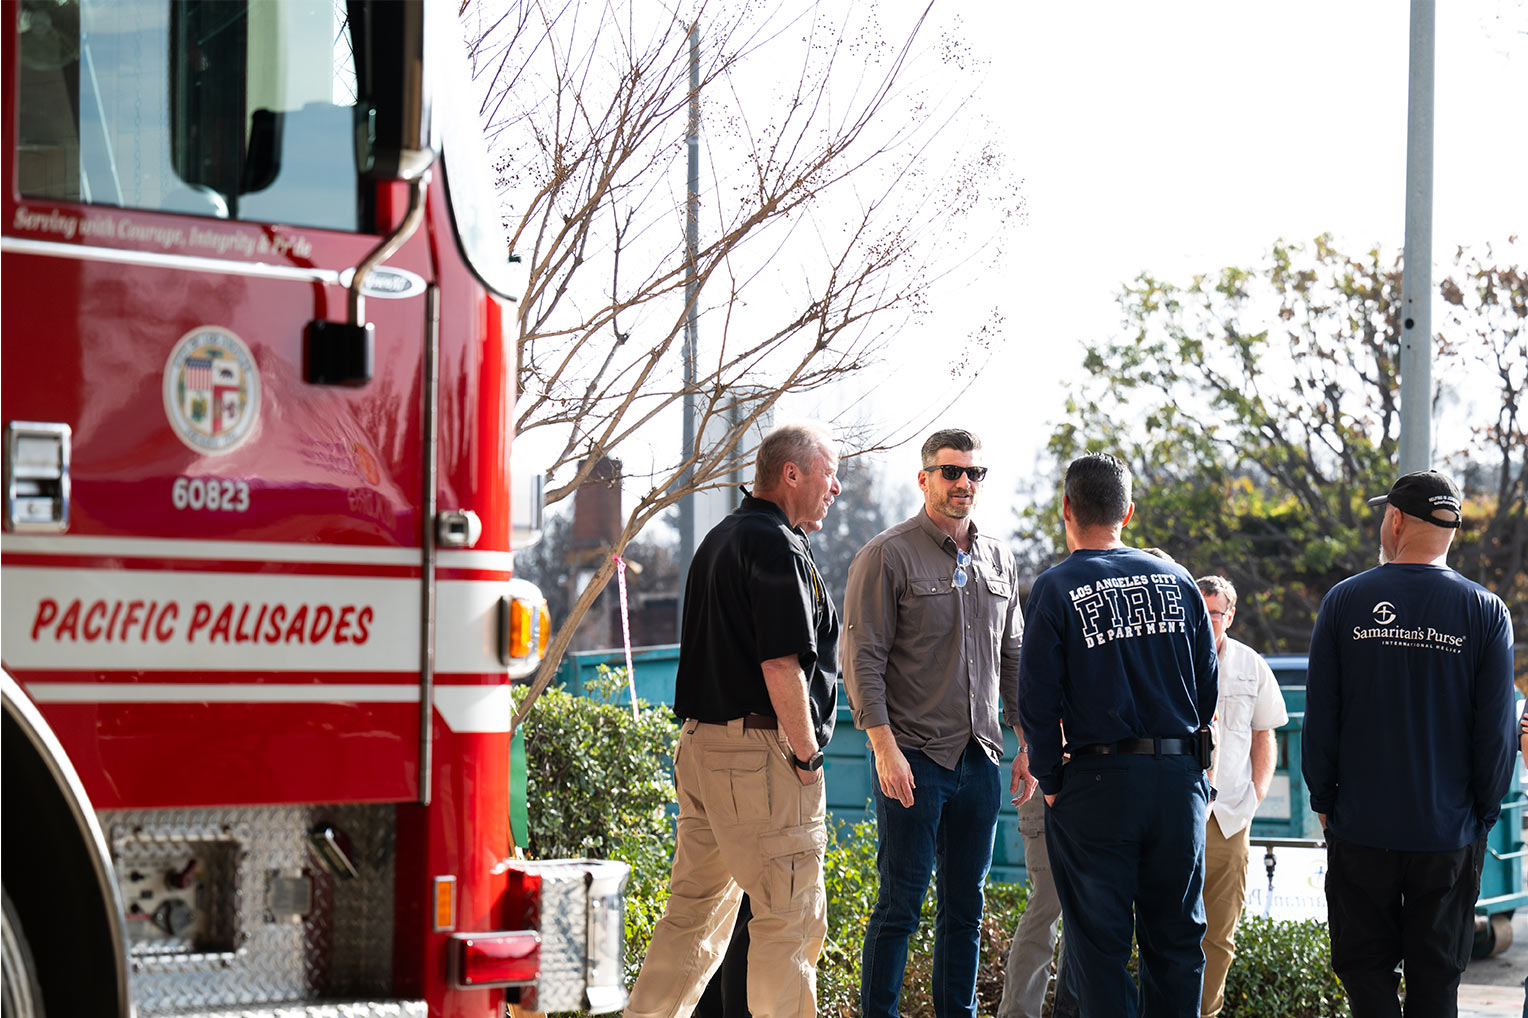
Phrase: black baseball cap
[1423,493]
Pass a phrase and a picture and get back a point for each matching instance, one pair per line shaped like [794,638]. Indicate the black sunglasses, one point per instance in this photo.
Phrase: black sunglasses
[951,472]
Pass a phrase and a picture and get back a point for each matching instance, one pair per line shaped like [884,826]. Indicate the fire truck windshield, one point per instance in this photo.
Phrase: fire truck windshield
[476,211]
[224,108]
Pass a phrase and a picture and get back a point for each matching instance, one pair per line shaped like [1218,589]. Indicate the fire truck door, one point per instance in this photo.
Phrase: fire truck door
[237,590]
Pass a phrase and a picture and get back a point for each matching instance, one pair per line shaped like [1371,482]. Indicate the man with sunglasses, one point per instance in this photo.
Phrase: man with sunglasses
[931,632]
[1249,709]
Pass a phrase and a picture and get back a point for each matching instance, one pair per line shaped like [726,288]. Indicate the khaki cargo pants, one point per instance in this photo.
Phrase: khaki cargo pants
[746,823]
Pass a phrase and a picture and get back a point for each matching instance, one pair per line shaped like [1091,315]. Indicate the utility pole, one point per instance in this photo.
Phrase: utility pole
[692,298]
[1416,270]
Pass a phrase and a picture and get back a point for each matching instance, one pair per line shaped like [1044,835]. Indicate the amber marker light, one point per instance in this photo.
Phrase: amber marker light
[445,903]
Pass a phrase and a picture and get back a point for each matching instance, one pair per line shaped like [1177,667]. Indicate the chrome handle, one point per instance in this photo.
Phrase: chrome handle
[36,476]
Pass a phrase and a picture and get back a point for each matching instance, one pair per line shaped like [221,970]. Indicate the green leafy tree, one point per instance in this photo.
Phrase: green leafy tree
[1259,407]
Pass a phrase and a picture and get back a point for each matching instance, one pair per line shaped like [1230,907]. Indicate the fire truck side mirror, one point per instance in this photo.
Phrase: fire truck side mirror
[338,353]
[390,45]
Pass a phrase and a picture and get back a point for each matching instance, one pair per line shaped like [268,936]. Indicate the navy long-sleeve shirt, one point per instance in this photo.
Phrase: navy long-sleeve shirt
[1409,729]
[1117,645]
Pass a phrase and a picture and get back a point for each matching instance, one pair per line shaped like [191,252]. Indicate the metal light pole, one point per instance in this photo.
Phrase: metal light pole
[1416,272]
[691,297]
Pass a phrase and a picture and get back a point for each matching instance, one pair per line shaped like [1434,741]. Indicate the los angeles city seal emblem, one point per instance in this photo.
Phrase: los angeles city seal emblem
[211,390]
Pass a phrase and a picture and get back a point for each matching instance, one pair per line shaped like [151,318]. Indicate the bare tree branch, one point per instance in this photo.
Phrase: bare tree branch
[828,210]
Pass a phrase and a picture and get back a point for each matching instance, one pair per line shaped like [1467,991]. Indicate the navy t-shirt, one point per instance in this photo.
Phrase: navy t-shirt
[754,594]
[1118,645]
[1409,729]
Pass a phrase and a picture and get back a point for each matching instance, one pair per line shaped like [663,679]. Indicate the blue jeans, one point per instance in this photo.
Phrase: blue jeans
[948,830]
[1126,839]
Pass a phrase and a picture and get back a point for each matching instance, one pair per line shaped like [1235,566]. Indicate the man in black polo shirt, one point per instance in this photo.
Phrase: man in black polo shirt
[757,691]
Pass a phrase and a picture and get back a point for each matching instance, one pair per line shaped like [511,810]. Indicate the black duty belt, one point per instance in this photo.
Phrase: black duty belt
[1137,747]
[750,721]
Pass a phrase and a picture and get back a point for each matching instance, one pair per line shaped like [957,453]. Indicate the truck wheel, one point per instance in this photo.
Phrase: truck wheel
[1501,933]
[20,994]
[1493,935]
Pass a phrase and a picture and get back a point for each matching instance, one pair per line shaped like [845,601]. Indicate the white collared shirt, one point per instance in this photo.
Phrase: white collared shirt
[1249,701]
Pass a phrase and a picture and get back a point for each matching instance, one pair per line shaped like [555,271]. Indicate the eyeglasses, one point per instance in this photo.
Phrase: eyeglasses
[1221,615]
[962,559]
[951,472]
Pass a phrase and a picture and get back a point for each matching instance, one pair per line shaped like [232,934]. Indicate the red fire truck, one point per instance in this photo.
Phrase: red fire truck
[259,618]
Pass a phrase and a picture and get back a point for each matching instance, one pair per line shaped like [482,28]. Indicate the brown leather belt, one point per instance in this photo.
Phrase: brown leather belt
[750,721]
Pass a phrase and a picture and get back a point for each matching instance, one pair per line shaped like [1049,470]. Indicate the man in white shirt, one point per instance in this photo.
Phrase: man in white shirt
[1248,710]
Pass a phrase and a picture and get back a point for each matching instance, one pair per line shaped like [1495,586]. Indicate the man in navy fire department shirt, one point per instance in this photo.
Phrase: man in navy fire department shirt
[1119,648]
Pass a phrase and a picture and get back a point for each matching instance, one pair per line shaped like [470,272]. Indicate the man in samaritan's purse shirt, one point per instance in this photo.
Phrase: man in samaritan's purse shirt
[1408,748]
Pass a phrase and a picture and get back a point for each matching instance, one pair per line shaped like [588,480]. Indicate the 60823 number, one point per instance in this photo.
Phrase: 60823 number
[210,493]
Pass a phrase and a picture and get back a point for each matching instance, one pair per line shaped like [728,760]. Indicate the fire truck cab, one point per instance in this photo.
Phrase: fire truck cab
[259,620]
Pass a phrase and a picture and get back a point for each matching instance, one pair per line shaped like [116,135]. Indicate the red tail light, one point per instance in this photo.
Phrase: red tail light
[497,959]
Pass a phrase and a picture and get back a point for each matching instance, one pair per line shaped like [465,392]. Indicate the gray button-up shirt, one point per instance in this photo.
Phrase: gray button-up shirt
[923,655]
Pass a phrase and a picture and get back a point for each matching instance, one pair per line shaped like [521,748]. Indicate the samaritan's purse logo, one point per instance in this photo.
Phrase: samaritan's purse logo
[1384,613]
[211,390]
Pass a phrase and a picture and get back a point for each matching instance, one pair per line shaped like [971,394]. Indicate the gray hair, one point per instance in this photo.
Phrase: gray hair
[950,438]
[1212,585]
[1098,488]
[800,444]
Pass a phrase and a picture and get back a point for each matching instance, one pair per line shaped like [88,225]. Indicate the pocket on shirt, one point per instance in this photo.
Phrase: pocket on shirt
[746,780]
[929,586]
[1238,709]
[926,612]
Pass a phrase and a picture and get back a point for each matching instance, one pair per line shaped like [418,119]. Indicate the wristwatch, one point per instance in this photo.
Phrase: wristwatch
[811,763]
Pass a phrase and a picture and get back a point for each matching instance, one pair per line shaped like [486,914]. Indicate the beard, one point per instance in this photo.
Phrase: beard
[1384,556]
[954,510]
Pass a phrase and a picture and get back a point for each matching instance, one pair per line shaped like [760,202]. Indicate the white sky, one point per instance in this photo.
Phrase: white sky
[1183,137]
[1187,136]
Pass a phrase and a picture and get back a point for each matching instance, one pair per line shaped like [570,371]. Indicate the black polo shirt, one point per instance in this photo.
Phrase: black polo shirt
[754,594]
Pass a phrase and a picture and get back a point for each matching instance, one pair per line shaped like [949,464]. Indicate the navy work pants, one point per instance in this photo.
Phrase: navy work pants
[1126,839]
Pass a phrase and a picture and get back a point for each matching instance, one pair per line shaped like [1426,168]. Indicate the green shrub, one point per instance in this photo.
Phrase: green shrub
[599,784]
[651,860]
[1283,970]
[850,876]
[595,776]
